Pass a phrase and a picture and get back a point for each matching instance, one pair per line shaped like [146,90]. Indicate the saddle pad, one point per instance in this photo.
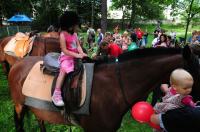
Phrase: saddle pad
[10,47]
[38,85]
[85,107]
[46,105]
[83,87]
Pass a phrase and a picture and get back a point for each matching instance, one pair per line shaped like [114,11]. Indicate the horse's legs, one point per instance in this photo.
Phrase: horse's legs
[41,125]
[19,113]
[6,67]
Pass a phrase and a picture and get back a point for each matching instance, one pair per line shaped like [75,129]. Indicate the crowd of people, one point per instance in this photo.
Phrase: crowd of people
[128,38]
[114,43]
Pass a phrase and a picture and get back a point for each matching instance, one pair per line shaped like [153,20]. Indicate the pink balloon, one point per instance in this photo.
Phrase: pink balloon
[142,112]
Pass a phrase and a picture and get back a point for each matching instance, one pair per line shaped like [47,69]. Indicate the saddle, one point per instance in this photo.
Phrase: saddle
[76,88]
[71,88]
[19,45]
[23,44]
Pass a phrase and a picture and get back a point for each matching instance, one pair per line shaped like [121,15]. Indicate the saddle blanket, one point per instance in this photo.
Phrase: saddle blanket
[37,84]
[20,45]
[37,89]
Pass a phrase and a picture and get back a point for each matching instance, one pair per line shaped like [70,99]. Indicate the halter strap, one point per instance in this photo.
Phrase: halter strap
[120,82]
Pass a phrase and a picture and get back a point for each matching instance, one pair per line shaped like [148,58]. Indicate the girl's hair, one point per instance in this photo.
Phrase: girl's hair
[125,33]
[107,33]
[68,19]
[165,37]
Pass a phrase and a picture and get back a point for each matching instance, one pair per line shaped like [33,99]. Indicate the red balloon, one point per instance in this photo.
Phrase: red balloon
[142,112]
[153,125]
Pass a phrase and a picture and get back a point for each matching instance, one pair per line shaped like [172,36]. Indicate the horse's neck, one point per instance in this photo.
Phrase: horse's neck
[140,75]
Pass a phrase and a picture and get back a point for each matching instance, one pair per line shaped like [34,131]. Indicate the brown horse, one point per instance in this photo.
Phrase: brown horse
[116,86]
[41,46]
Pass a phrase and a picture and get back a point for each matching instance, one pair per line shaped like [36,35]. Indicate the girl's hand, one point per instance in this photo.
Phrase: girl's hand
[84,55]
[79,56]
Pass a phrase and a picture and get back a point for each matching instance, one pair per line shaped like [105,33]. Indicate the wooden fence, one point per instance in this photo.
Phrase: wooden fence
[11,30]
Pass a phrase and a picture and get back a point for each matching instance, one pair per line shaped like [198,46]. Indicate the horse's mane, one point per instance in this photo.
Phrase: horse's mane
[104,60]
[138,53]
[147,52]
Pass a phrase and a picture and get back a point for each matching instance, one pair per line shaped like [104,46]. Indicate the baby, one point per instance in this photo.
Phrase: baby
[178,94]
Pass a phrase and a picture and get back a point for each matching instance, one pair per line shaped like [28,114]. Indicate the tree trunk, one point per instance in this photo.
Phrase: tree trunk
[132,12]
[1,15]
[188,21]
[122,18]
[92,17]
[1,20]
[104,15]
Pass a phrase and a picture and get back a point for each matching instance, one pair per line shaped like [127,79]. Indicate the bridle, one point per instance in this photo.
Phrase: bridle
[118,73]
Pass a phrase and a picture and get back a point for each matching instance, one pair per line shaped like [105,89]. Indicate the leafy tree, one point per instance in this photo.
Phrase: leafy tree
[122,5]
[188,9]
[142,9]
[46,13]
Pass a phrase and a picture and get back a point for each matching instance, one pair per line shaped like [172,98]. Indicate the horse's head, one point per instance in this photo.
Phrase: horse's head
[3,43]
[192,66]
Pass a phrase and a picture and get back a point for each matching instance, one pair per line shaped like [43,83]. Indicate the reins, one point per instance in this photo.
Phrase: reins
[118,73]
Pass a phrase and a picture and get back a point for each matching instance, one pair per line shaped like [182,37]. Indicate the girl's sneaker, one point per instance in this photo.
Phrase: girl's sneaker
[57,98]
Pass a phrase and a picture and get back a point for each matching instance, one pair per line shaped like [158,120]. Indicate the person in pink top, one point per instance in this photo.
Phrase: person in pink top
[70,48]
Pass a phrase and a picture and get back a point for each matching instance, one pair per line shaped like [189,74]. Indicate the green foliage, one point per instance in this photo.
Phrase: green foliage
[9,8]
[142,9]
[46,18]
[181,7]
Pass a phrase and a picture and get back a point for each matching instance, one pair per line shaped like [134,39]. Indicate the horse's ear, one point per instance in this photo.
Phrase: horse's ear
[186,52]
